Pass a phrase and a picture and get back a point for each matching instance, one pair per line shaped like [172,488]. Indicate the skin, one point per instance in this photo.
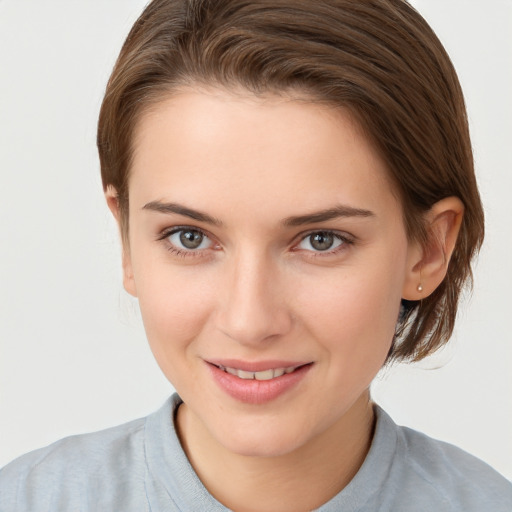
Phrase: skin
[257,289]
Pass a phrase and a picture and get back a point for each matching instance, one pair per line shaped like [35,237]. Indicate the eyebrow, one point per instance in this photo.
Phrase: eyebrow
[299,220]
[328,214]
[179,209]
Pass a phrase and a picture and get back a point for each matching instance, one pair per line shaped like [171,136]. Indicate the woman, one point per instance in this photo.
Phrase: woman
[295,193]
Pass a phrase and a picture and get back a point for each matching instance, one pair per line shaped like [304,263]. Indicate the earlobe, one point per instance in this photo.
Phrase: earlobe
[112,199]
[128,277]
[428,263]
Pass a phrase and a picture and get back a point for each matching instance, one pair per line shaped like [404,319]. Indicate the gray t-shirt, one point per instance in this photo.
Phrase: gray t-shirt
[140,466]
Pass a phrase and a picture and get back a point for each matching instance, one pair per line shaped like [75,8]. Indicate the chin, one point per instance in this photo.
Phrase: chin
[267,441]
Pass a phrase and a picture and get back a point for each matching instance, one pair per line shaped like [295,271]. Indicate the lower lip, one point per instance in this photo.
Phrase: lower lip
[252,391]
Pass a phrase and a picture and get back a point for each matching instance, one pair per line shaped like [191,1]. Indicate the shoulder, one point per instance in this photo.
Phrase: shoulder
[458,480]
[75,470]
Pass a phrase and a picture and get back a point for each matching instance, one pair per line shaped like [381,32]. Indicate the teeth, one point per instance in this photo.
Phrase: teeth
[278,372]
[263,375]
[242,374]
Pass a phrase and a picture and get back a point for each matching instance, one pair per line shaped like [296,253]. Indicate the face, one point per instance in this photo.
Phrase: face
[268,254]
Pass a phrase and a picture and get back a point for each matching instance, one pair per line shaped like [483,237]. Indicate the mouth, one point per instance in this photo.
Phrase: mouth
[258,383]
[268,374]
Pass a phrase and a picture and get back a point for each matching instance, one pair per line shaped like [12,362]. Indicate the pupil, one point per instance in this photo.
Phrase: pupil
[322,241]
[191,239]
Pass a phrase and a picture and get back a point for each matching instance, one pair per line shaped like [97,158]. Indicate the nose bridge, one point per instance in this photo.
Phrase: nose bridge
[253,307]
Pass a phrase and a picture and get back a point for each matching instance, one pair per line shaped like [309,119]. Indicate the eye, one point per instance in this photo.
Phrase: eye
[189,239]
[321,241]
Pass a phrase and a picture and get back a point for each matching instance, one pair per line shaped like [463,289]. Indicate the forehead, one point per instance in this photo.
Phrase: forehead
[221,147]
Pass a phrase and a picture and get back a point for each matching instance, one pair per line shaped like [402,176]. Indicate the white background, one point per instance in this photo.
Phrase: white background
[73,355]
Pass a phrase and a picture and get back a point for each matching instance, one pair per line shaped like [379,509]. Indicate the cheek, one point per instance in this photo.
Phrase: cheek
[175,306]
[354,314]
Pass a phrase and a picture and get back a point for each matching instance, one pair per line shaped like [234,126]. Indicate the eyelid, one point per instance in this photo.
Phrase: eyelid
[165,233]
[346,238]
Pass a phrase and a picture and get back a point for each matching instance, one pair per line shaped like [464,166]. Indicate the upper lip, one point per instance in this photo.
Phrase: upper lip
[256,366]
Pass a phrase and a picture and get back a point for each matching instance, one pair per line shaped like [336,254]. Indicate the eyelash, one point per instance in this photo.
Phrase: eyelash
[345,239]
[182,253]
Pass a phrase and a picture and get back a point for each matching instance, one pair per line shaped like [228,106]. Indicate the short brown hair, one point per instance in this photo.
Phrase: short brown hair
[377,58]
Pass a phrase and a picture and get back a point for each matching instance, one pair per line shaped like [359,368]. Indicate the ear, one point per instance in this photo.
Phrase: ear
[112,199]
[427,264]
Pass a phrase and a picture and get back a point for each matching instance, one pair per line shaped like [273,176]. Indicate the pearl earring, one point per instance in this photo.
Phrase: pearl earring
[420,288]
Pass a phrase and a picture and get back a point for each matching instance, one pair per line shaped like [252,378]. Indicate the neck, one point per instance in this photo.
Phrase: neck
[301,480]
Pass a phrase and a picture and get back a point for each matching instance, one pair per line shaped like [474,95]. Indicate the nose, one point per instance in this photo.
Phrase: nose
[253,305]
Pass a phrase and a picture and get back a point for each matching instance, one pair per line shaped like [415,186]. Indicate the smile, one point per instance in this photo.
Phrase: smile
[258,383]
[269,374]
